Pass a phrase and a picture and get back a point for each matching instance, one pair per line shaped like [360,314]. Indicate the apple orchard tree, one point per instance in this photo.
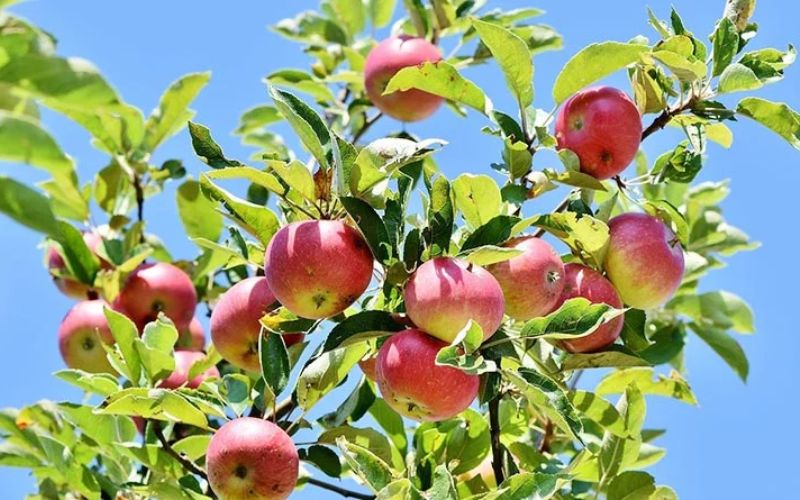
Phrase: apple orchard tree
[458,334]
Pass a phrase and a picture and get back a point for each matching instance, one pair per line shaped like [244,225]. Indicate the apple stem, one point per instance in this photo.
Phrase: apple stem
[338,489]
[494,430]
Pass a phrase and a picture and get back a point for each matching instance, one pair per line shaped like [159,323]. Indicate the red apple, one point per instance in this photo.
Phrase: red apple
[532,282]
[644,260]
[384,61]
[252,458]
[235,326]
[80,337]
[180,377]
[193,339]
[414,385]
[582,281]
[156,288]
[57,266]
[318,268]
[603,127]
[445,293]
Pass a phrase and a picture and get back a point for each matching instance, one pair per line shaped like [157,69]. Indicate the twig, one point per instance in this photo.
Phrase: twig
[494,430]
[338,489]
[560,208]
[188,465]
[544,447]
[665,117]
[364,128]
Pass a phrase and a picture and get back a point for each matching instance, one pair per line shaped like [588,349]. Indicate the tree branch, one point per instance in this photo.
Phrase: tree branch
[188,465]
[497,447]
[665,117]
[338,489]
[560,208]
[364,128]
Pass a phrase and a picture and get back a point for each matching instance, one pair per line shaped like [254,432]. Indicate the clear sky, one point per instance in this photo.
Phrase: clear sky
[738,444]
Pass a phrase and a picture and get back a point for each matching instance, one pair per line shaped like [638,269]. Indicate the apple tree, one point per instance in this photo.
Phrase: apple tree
[377,329]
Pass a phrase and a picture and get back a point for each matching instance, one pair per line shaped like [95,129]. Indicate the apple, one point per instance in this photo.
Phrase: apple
[157,288]
[252,458]
[445,293]
[384,61]
[532,282]
[318,268]
[80,337]
[414,385]
[603,127]
[582,281]
[57,266]
[644,260]
[235,326]
[180,377]
[368,366]
[192,339]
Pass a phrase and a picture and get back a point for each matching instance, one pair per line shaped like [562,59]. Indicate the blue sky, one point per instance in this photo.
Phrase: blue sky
[737,444]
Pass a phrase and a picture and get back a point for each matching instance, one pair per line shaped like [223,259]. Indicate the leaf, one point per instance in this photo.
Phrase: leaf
[673,386]
[442,79]
[517,157]
[360,327]
[725,45]
[197,212]
[159,404]
[274,359]
[371,469]
[528,485]
[577,317]
[82,261]
[101,384]
[306,123]
[440,216]
[723,310]
[26,206]
[380,12]
[545,395]
[727,348]
[495,232]
[257,117]
[367,438]
[778,117]
[301,81]
[155,348]
[443,487]
[599,410]
[401,488]
[677,54]
[583,234]
[173,111]
[631,485]
[258,177]
[477,197]
[323,458]
[593,63]
[125,334]
[324,372]
[297,176]
[381,158]
[194,447]
[207,149]
[513,56]
[391,422]
[237,392]
[258,220]
[612,356]
[738,78]
[371,226]
[489,254]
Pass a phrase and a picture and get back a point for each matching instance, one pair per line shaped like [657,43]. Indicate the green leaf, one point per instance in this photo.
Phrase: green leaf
[297,176]
[418,15]
[101,384]
[477,197]
[237,392]
[360,327]
[323,458]
[349,13]
[513,56]
[577,317]
[371,226]
[274,359]
[489,254]
[599,410]
[125,334]
[726,45]
[620,453]
[173,110]
[301,81]
[738,78]
[593,63]
[443,487]
[258,220]
[677,54]
[198,214]
[495,232]
[723,310]
[583,234]
[727,348]
[366,465]
[528,485]
[82,261]
[442,79]
[380,12]
[545,395]
[440,216]
[612,356]
[256,117]
[381,158]
[778,117]
[258,177]
[353,408]
[517,157]
[391,422]
[306,123]
[325,372]
[207,149]
[155,348]
[194,447]
[367,438]
[673,386]
[401,488]
[631,485]
[158,404]
[26,206]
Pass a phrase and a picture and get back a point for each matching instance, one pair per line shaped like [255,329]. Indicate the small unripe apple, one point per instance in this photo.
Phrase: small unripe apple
[252,458]
[445,293]
[180,377]
[192,339]
[318,268]
[532,282]
[414,385]
[80,337]
[155,288]
[57,266]
[582,281]
[384,61]
[603,127]
[235,325]
[644,260]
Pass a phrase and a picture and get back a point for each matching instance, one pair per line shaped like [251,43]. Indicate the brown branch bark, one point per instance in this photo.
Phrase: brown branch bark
[497,447]
[187,464]
[338,489]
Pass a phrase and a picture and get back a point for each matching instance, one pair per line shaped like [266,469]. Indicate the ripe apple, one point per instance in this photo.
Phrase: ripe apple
[80,337]
[603,127]
[445,293]
[414,385]
[532,282]
[318,268]
[57,266]
[155,288]
[193,339]
[384,61]
[582,281]
[644,260]
[235,326]
[180,377]
[252,458]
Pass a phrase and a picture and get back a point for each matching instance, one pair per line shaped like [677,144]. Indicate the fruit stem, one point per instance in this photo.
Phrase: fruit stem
[187,464]
[337,489]
[494,430]
[664,118]
[364,128]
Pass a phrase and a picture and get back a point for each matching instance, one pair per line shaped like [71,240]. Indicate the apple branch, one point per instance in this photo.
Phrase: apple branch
[494,431]
[367,125]
[338,489]
[665,117]
[187,464]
